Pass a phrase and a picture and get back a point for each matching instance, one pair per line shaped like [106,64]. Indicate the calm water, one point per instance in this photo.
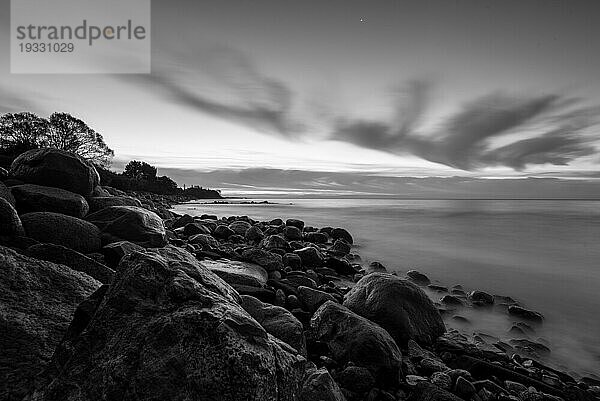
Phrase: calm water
[545,254]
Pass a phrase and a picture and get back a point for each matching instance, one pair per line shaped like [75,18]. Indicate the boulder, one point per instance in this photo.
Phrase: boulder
[312,298]
[397,305]
[292,233]
[268,260]
[169,329]
[418,277]
[340,233]
[319,385]
[75,260]
[375,267]
[352,338]
[223,232]
[525,314]
[10,223]
[292,260]
[238,273]
[207,241]
[38,198]
[315,238]
[6,194]
[275,242]
[99,191]
[130,223]
[310,256]
[56,168]
[37,302]
[481,297]
[114,252]
[356,378]
[60,229]
[100,202]
[341,247]
[295,223]
[277,321]
[195,228]
[254,234]
[240,227]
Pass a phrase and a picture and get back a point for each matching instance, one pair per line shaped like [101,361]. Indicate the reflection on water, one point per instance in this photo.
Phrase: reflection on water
[545,254]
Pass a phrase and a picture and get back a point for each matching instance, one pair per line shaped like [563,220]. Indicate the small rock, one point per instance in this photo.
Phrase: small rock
[341,233]
[312,298]
[375,267]
[292,233]
[482,297]
[442,380]
[526,314]
[464,388]
[418,277]
[295,223]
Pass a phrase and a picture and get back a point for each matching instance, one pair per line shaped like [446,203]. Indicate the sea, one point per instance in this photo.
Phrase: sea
[545,254]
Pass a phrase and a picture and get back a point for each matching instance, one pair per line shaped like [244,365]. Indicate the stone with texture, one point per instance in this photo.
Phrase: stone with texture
[130,223]
[38,198]
[60,229]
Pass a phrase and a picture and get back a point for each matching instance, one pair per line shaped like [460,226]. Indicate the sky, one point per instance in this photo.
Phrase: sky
[350,94]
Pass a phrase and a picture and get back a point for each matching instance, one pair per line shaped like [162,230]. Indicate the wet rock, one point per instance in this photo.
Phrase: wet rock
[182,221]
[240,227]
[292,233]
[418,278]
[223,232]
[437,288]
[295,223]
[75,260]
[237,273]
[312,299]
[315,238]
[130,223]
[464,388]
[397,305]
[113,253]
[425,391]
[277,321]
[275,242]
[442,380]
[341,233]
[195,228]
[351,337]
[526,314]
[481,297]
[269,260]
[10,223]
[341,247]
[205,240]
[37,302]
[60,229]
[169,329]
[340,266]
[254,234]
[451,300]
[356,379]
[64,170]
[292,260]
[310,256]
[101,202]
[319,385]
[38,198]
[375,267]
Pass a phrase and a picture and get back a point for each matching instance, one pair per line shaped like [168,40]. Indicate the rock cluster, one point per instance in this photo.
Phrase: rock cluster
[109,295]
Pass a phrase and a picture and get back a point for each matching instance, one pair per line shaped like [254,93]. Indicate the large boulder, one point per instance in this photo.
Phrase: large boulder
[100,202]
[6,194]
[56,168]
[37,302]
[169,329]
[114,252]
[38,198]
[240,227]
[397,305]
[270,261]
[60,229]
[10,223]
[352,338]
[130,223]
[75,260]
[311,256]
[238,273]
[319,385]
[277,321]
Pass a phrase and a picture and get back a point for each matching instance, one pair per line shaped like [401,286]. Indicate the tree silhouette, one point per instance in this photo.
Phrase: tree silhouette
[140,171]
[20,132]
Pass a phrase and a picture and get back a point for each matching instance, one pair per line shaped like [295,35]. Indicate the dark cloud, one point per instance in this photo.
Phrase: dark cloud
[465,139]
[250,99]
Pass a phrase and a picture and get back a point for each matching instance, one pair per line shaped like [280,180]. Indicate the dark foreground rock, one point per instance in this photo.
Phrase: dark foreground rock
[60,229]
[37,302]
[352,338]
[38,198]
[169,329]
[397,305]
[130,223]
[75,260]
[10,223]
[63,169]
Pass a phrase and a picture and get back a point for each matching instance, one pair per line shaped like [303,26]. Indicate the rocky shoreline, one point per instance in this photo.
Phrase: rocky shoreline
[107,295]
